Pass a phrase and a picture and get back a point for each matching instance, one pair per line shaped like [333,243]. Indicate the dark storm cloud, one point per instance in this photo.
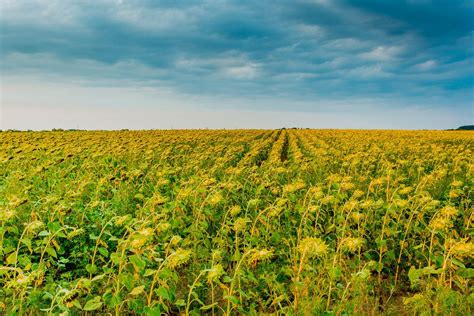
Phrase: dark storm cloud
[438,20]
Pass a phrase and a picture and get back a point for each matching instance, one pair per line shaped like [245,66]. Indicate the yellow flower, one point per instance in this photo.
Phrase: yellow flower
[367,204]
[463,249]
[34,225]
[449,211]
[319,194]
[457,183]
[235,210]
[345,186]
[405,190]
[440,223]
[260,255]
[274,212]
[401,203]
[216,255]
[293,187]
[157,199]
[137,241]
[162,227]
[5,215]
[358,217]
[312,247]
[453,194]
[120,221]
[334,178]
[313,208]
[175,239]
[146,232]
[75,232]
[281,170]
[328,199]
[162,182]
[215,273]
[432,204]
[352,244]
[16,201]
[216,199]
[377,181]
[184,193]
[240,224]
[178,258]
[357,194]
[350,205]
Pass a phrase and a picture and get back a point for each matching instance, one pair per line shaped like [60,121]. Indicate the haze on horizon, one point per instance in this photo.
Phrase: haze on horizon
[108,64]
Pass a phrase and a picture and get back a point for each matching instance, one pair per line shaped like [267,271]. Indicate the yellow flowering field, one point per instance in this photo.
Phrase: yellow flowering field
[227,222]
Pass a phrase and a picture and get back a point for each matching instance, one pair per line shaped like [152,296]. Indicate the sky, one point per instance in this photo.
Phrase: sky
[104,64]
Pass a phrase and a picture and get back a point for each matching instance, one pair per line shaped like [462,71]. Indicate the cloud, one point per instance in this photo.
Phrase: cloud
[373,71]
[230,65]
[426,65]
[247,71]
[296,52]
[382,53]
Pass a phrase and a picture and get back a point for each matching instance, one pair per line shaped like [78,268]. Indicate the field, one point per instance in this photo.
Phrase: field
[237,222]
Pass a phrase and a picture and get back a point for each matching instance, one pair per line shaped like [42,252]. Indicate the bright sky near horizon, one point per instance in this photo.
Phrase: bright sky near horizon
[109,64]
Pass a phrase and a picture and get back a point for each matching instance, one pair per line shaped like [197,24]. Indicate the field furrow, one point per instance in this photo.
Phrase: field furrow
[294,147]
[278,150]
[259,151]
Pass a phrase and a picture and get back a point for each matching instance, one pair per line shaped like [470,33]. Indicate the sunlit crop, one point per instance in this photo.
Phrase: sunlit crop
[236,222]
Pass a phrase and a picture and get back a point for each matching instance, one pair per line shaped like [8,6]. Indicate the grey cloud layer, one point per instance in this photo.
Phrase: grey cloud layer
[299,50]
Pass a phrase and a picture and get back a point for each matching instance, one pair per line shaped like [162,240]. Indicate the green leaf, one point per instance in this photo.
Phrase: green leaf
[115,300]
[138,262]
[127,279]
[155,311]
[381,242]
[458,263]
[51,252]
[467,273]
[180,303]
[137,290]
[11,259]
[98,277]
[163,293]
[414,275]
[232,299]
[335,272]
[139,196]
[85,283]
[54,226]
[431,270]
[91,268]
[207,307]
[13,230]
[391,254]
[104,252]
[44,233]
[93,304]
[115,257]
[77,304]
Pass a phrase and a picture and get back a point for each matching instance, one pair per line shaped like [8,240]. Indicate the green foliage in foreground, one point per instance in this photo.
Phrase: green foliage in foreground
[236,222]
